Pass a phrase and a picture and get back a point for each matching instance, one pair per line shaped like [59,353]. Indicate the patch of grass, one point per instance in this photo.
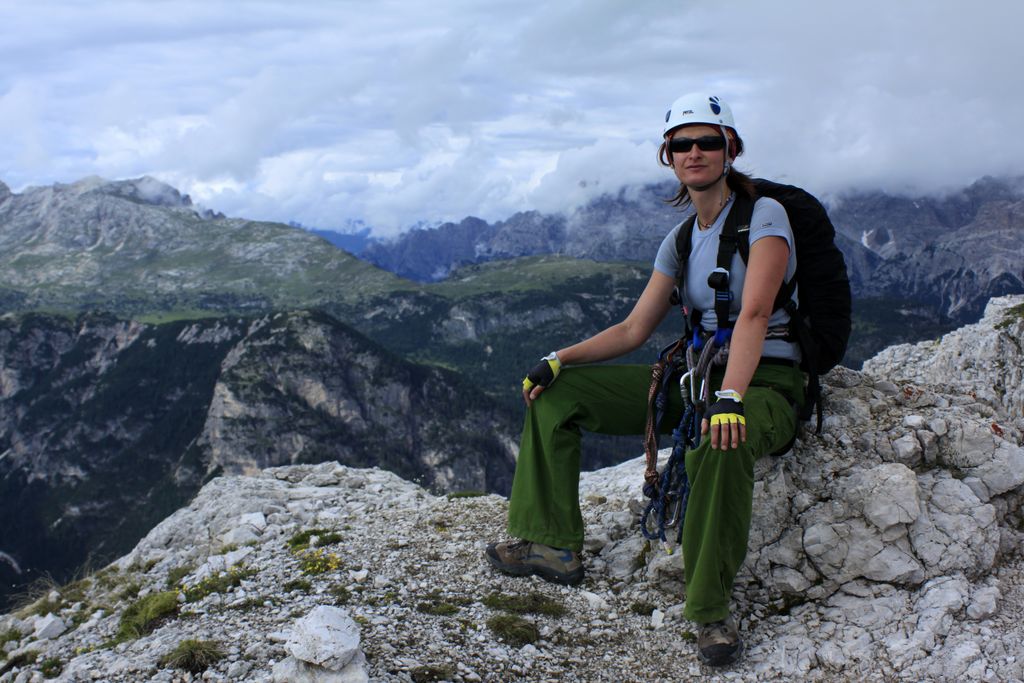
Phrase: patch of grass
[1010,316]
[9,635]
[108,578]
[192,655]
[438,608]
[216,584]
[76,590]
[643,608]
[341,595]
[130,591]
[145,615]
[249,603]
[20,660]
[513,630]
[428,673]
[317,561]
[466,494]
[42,607]
[51,667]
[34,598]
[529,603]
[175,575]
[303,540]
[688,636]
[298,585]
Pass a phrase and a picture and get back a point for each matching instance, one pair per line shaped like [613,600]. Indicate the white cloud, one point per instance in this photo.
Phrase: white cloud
[396,112]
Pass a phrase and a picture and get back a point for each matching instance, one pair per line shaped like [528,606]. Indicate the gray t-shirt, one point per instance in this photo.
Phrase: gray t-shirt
[769,219]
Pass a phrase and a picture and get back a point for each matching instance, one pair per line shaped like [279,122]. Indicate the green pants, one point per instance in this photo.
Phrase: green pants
[612,399]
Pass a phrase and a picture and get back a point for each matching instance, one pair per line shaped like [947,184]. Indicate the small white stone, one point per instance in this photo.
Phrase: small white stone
[49,626]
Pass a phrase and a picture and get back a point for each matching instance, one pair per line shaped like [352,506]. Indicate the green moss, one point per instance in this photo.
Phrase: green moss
[432,672]
[643,608]
[220,583]
[688,636]
[194,656]
[529,603]
[513,630]
[146,614]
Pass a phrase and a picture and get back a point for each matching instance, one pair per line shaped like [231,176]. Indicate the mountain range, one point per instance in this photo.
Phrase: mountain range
[948,253]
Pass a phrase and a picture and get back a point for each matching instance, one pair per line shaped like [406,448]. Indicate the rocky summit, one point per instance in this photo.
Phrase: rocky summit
[885,548]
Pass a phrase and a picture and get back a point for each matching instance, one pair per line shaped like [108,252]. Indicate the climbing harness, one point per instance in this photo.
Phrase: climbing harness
[669,489]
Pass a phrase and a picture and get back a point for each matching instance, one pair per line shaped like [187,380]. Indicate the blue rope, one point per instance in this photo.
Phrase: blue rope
[673,486]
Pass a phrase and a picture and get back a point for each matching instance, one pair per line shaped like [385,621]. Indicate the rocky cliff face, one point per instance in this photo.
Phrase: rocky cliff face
[107,426]
[888,548]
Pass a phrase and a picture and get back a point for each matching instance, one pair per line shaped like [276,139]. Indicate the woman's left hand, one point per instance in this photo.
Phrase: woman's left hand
[725,421]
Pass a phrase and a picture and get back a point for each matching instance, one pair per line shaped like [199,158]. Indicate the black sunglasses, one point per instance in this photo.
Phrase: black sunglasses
[706,143]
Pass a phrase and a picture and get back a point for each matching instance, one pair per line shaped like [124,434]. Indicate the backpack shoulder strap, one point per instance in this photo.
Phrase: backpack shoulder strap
[735,237]
[785,293]
[684,244]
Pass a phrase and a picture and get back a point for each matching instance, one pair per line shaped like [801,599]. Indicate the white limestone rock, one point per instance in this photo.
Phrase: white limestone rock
[887,496]
[984,603]
[292,670]
[956,531]
[326,637]
[49,626]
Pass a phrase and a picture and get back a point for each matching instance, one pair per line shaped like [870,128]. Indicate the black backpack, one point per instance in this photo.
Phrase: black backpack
[821,324]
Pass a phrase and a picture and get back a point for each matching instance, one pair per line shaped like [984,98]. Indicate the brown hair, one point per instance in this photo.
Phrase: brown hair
[738,181]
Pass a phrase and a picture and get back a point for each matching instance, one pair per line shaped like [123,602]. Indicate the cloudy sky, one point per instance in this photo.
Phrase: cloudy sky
[394,112]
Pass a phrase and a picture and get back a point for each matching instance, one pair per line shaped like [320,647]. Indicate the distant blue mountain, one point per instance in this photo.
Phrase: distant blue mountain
[352,242]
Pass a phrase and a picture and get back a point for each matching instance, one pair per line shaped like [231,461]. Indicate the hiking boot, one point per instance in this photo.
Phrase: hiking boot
[719,643]
[523,558]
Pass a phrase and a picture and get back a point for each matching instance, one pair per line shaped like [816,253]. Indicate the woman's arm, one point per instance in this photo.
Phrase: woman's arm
[623,337]
[766,269]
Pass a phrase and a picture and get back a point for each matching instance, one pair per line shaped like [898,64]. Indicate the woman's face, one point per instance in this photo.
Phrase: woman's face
[697,168]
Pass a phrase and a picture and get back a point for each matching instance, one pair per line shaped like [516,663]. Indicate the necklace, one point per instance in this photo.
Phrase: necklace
[705,225]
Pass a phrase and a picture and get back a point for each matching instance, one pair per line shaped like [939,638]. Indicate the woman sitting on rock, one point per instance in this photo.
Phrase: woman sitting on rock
[754,394]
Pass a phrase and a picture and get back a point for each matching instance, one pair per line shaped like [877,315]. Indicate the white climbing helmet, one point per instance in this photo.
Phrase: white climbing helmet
[699,108]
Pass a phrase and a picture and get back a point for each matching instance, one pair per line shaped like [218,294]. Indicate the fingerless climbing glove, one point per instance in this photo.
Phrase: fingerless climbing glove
[727,410]
[544,373]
